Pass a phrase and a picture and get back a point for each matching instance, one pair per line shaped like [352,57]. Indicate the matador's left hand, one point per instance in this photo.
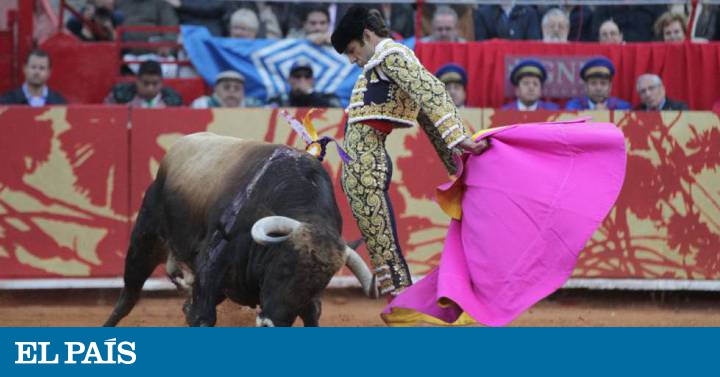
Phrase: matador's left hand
[474,147]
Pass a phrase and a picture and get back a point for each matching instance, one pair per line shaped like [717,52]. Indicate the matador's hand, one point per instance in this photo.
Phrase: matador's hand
[474,147]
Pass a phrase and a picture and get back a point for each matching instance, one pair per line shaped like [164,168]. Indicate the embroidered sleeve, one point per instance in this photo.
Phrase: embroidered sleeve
[429,93]
[445,154]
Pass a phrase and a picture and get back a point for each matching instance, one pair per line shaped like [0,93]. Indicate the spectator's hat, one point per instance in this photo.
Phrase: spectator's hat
[350,27]
[452,73]
[229,75]
[600,67]
[528,67]
[301,64]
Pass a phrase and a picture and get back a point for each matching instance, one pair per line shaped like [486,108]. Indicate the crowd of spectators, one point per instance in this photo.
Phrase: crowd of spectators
[313,20]
[616,24]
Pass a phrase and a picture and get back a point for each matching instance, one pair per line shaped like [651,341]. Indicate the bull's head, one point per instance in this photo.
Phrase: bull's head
[295,279]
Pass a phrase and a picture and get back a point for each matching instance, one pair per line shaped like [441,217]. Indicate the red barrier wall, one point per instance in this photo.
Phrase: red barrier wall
[74,178]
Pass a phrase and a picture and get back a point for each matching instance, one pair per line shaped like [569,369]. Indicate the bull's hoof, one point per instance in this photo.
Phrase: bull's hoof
[263,322]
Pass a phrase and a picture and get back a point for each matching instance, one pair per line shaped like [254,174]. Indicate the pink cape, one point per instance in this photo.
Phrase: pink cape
[529,204]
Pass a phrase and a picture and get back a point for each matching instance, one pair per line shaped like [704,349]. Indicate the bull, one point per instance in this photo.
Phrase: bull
[253,222]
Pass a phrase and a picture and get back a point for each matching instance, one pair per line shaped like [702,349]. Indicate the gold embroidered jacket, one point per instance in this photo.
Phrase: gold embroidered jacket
[396,87]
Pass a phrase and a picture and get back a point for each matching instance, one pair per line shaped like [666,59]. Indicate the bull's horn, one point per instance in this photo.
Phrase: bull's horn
[282,225]
[361,271]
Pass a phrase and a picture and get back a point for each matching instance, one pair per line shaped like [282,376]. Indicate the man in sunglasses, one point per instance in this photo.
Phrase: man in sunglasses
[302,89]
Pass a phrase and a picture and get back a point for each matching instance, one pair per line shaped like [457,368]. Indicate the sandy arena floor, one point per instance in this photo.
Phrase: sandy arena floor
[350,308]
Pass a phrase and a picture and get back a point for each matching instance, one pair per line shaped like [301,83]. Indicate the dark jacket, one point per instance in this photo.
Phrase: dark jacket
[523,23]
[17,97]
[636,22]
[208,13]
[583,103]
[668,106]
[305,100]
[125,92]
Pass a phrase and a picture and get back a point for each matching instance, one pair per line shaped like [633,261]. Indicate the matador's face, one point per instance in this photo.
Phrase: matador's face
[359,52]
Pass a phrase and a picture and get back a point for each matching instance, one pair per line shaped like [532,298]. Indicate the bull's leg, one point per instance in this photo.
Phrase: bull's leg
[207,291]
[146,252]
[311,313]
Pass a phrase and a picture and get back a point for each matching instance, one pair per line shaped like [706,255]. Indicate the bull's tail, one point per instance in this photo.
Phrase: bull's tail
[146,252]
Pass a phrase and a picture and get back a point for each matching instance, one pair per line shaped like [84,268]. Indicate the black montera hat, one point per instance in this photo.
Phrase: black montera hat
[350,27]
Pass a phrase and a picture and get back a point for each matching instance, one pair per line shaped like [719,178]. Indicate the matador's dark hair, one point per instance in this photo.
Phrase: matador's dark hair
[352,25]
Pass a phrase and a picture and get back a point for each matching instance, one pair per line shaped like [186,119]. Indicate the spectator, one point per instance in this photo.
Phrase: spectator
[229,91]
[455,79]
[101,20]
[399,18]
[268,24]
[444,26]
[580,23]
[636,21]
[580,17]
[652,95]
[147,13]
[302,92]
[597,75]
[34,92]
[707,26]
[671,27]
[507,22]
[555,26]
[208,13]
[465,23]
[610,33]
[147,91]
[528,78]
[244,24]
[316,26]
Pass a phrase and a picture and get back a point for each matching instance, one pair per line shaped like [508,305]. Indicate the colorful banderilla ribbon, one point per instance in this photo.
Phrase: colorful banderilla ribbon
[314,145]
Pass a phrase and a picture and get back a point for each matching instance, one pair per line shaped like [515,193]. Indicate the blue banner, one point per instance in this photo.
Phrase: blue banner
[265,63]
[358,351]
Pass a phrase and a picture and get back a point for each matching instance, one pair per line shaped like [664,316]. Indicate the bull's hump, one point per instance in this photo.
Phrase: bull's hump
[203,141]
[206,149]
[199,165]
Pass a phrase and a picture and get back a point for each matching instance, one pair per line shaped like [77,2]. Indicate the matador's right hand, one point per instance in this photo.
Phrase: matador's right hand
[474,147]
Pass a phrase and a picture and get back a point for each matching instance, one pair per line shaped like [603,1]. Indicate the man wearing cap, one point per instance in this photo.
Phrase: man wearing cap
[393,91]
[229,91]
[597,75]
[455,80]
[528,78]
[302,89]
